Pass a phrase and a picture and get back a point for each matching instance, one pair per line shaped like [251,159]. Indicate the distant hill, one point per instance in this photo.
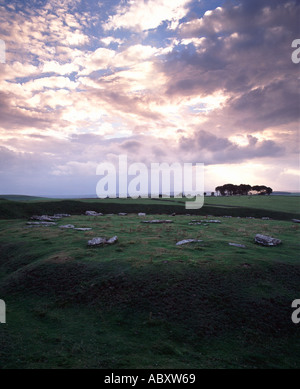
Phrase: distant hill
[20,198]
[279,193]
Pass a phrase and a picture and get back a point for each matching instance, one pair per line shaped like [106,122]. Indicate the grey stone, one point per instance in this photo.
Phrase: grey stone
[82,229]
[112,240]
[265,218]
[102,241]
[296,220]
[93,213]
[157,221]
[97,242]
[43,224]
[44,218]
[266,240]
[122,214]
[67,226]
[185,241]
[237,245]
[204,221]
[141,214]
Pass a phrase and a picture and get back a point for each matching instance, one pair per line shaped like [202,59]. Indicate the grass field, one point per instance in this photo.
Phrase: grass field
[145,302]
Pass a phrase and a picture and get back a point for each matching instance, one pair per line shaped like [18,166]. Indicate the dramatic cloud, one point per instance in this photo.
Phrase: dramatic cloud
[157,80]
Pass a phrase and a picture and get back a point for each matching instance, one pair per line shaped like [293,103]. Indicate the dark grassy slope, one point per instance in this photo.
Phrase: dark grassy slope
[145,302]
[186,316]
[17,210]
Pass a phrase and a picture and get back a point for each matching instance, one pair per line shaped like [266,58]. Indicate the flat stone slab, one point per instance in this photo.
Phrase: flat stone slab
[47,218]
[266,240]
[204,221]
[157,221]
[141,214]
[185,241]
[242,246]
[100,241]
[82,229]
[43,224]
[44,218]
[112,240]
[67,226]
[296,220]
[122,214]
[93,213]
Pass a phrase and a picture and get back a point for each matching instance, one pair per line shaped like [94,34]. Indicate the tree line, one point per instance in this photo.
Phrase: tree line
[242,189]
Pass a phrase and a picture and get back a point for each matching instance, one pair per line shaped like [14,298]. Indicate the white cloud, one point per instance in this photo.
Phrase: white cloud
[141,15]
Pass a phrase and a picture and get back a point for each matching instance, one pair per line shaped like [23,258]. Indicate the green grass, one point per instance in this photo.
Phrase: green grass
[276,207]
[145,302]
[289,204]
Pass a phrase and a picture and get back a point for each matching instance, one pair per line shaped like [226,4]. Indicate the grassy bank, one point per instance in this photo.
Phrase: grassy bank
[276,207]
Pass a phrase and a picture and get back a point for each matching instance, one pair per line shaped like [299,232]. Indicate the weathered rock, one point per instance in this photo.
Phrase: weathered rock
[157,221]
[141,214]
[97,242]
[82,229]
[112,240]
[122,213]
[296,220]
[265,218]
[67,226]
[237,245]
[93,213]
[47,218]
[185,241]
[204,221]
[102,241]
[44,218]
[43,224]
[266,240]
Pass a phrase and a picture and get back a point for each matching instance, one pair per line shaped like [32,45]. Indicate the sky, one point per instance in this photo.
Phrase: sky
[175,81]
